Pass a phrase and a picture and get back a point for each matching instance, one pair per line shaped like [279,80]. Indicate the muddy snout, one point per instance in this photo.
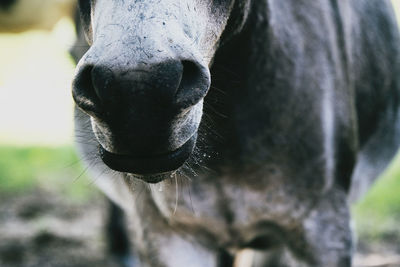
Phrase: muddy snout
[145,117]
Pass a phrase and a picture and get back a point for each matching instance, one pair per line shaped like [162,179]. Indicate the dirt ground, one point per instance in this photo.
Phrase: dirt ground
[40,229]
[43,229]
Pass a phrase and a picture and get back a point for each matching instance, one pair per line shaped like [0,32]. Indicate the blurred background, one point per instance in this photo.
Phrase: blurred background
[50,213]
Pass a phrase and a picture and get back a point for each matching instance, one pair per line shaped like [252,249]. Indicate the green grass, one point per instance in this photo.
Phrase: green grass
[378,213]
[53,169]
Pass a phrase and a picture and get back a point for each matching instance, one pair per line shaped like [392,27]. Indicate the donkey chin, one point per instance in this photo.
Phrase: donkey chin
[145,155]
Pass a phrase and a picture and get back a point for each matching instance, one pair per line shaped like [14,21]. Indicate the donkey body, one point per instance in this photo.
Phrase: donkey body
[303,103]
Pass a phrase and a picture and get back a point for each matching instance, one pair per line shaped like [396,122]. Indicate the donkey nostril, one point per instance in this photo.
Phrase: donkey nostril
[194,84]
[84,93]
[102,79]
[190,75]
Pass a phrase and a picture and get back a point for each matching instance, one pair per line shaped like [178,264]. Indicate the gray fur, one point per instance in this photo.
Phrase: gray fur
[310,97]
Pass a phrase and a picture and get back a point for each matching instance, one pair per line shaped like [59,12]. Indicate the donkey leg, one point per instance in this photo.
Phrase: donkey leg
[327,231]
[117,237]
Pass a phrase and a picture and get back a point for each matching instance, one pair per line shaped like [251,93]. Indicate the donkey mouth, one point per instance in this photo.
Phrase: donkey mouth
[149,165]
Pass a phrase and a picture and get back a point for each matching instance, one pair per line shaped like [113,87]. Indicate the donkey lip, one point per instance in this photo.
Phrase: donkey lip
[149,165]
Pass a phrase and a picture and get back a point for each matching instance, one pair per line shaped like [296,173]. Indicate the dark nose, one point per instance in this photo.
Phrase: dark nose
[109,92]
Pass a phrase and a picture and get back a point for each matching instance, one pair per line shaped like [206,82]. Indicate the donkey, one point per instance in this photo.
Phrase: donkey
[230,124]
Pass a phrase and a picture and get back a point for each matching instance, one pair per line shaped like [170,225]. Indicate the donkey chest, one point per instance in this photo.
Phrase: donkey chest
[230,208]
